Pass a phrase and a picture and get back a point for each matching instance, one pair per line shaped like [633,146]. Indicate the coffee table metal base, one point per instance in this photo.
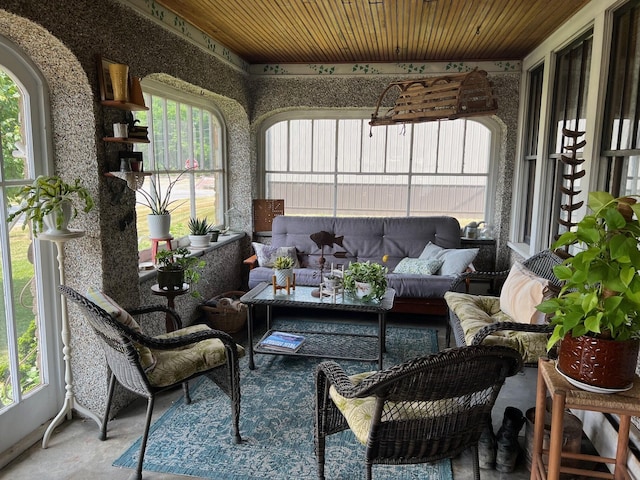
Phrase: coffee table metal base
[321,344]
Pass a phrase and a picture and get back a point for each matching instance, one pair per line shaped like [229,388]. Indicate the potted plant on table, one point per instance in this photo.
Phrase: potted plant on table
[158,200]
[283,270]
[199,235]
[366,280]
[49,201]
[177,267]
[598,309]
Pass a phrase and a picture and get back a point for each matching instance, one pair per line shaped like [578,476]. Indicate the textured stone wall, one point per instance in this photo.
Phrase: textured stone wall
[62,39]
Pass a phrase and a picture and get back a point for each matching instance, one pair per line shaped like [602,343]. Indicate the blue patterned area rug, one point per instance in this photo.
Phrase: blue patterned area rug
[276,423]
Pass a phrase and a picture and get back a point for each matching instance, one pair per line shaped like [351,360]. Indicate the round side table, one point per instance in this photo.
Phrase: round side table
[170,296]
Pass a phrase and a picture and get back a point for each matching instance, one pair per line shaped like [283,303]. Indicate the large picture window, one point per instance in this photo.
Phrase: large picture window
[343,167]
[184,135]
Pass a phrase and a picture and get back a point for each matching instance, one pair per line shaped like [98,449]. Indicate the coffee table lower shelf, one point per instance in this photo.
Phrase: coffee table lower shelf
[342,346]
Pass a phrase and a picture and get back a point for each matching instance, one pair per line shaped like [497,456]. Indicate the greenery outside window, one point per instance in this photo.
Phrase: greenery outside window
[184,134]
[332,164]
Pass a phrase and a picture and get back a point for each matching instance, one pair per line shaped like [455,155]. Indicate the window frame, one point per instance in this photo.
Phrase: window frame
[171,93]
[364,115]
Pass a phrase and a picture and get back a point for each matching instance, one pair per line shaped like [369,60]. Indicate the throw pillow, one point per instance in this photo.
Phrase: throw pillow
[267,254]
[455,260]
[418,266]
[522,291]
[147,360]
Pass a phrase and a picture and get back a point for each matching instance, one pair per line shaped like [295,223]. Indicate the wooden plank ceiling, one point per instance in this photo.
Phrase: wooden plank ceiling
[347,31]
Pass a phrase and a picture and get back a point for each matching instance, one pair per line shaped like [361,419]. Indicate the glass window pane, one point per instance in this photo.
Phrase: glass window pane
[300,145]
[324,145]
[379,174]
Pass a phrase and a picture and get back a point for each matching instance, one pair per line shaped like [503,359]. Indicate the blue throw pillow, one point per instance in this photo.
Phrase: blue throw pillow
[419,266]
[456,260]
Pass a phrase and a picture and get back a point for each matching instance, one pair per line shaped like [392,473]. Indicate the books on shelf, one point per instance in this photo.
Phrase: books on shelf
[282,342]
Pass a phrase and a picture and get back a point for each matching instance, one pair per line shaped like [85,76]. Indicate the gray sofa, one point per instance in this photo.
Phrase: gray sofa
[369,238]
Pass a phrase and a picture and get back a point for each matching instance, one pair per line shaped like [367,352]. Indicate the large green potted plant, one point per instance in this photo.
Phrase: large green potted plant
[50,202]
[598,308]
[158,200]
[177,267]
[366,280]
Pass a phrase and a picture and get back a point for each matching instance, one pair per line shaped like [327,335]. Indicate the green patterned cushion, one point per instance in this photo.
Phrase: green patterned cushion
[418,266]
[478,311]
[359,411]
[147,360]
[173,366]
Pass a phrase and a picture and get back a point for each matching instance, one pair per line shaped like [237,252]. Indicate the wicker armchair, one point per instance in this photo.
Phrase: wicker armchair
[541,264]
[148,365]
[421,411]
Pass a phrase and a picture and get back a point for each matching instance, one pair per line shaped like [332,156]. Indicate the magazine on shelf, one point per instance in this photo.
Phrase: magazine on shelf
[282,342]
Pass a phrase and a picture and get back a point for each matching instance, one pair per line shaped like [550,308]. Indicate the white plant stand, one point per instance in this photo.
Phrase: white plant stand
[70,402]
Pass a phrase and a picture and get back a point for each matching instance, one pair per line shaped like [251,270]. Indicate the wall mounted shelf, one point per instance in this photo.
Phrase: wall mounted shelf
[124,105]
[134,180]
[125,140]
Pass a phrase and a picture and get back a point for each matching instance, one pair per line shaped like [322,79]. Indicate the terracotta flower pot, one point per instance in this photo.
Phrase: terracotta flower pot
[599,362]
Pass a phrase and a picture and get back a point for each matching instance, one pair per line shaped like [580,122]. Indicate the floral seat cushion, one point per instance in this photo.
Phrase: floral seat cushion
[172,366]
[358,412]
[176,364]
[478,311]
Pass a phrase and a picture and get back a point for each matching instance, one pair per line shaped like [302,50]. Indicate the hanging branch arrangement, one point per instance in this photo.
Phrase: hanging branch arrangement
[446,97]
[569,189]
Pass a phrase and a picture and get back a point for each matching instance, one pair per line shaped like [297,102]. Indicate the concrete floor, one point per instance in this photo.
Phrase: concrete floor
[75,452]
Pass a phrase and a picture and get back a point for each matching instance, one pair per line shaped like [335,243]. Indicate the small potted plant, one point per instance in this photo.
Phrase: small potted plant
[49,201]
[199,235]
[177,267]
[366,280]
[598,308]
[283,270]
[158,200]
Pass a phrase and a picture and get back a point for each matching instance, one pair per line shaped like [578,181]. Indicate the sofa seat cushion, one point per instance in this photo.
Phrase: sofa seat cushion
[478,311]
[173,366]
[419,286]
[304,276]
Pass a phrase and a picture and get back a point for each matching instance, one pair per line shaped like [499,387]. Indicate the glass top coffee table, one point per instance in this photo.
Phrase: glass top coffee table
[321,344]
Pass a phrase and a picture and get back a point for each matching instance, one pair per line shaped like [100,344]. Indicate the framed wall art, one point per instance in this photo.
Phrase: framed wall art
[104,79]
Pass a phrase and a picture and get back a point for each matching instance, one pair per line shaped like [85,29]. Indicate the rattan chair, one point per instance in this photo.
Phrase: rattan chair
[541,264]
[126,347]
[421,411]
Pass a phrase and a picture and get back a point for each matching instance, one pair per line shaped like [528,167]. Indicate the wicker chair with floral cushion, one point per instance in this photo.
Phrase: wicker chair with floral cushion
[509,319]
[148,365]
[421,411]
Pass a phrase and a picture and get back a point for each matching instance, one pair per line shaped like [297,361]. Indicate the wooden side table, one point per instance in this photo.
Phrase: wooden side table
[171,296]
[564,396]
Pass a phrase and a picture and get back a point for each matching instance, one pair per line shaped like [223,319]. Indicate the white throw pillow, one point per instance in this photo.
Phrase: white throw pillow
[455,260]
[267,254]
[522,291]
[418,266]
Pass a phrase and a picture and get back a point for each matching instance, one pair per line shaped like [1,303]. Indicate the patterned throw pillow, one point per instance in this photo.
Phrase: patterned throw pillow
[456,260]
[267,254]
[419,266]
[147,360]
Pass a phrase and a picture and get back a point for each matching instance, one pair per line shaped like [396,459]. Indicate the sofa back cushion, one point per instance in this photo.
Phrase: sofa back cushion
[365,238]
